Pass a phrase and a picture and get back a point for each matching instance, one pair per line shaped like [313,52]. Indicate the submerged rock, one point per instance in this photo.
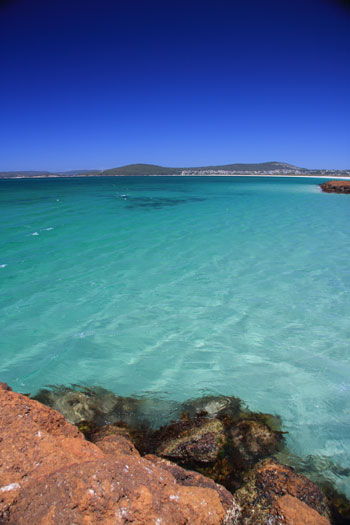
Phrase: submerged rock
[79,404]
[212,406]
[336,186]
[221,447]
[98,406]
[338,503]
[198,441]
[253,440]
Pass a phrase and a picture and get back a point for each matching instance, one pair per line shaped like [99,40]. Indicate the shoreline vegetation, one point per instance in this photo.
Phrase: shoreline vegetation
[84,454]
[266,169]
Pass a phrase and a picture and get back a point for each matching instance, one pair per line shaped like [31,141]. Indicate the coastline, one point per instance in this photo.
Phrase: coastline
[179,176]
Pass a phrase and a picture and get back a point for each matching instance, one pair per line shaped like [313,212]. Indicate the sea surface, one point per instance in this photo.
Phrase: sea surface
[180,287]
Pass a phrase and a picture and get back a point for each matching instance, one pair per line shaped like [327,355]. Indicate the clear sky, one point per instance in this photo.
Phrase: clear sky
[99,84]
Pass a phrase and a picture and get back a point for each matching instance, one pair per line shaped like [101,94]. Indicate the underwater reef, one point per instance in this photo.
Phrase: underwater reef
[85,455]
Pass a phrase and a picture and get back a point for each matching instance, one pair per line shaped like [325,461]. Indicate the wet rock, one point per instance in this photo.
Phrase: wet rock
[51,475]
[253,440]
[198,441]
[269,481]
[322,471]
[247,442]
[338,503]
[199,444]
[336,186]
[221,448]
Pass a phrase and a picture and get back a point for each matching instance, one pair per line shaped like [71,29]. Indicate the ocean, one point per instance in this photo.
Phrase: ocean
[179,287]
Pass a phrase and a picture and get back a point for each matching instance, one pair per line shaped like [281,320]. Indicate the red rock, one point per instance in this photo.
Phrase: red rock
[336,186]
[277,480]
[292,511]
[51,475]
[267,484]
[115,444]
[116,490]
[4,386]
[189,478]
[34,442]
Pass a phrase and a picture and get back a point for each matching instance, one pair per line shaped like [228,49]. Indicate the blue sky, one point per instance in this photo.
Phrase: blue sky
[99,84]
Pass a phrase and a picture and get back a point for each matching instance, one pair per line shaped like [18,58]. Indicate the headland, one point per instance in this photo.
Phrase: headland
[265,169]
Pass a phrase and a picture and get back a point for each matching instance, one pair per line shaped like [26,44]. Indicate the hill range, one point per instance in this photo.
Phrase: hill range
[134,170]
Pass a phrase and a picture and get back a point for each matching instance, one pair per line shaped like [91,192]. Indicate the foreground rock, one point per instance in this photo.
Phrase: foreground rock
[51,475]
[336,186]
[289,509]
[274,493]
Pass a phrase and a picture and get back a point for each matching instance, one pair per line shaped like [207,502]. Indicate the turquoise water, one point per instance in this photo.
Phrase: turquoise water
[181,287]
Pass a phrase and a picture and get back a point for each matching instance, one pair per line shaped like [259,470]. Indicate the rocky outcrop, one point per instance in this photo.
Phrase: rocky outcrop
[222,447]
[51,475]
[336,186]
[262,499]
[119,489]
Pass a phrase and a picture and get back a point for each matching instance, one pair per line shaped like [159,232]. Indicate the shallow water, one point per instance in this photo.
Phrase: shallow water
[179,287]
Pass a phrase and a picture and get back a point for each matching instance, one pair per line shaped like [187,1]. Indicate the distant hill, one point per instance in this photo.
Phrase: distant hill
[142,169]
[152,169]
[263,168]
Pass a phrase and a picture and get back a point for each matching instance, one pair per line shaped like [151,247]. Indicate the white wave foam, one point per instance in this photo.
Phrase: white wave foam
[3,265]
[35,233]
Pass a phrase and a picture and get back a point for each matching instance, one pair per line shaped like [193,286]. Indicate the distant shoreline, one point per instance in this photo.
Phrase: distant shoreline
[175,175]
